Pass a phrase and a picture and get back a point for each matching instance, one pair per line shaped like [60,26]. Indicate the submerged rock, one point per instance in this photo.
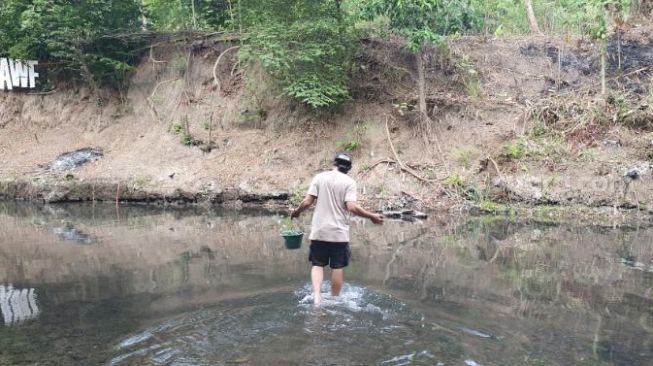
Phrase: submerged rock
[74,159]
[406,215]
[73,234]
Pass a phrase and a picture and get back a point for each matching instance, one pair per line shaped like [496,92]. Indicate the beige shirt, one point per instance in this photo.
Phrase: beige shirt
[331,218]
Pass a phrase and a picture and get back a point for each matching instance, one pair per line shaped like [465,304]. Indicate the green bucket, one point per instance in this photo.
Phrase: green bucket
[292,240]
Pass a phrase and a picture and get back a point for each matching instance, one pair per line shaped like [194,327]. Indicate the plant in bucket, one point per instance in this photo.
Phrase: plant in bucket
[292,235]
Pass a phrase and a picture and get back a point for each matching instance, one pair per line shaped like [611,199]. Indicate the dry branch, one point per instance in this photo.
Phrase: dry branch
[43,93]
[151,103]
[155,61]
[215,67]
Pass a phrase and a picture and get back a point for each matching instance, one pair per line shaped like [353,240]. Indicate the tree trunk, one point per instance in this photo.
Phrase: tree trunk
[421,84]
[192,3]
[532,21]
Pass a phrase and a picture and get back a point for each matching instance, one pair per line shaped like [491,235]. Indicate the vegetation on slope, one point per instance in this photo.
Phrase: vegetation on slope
[307,47]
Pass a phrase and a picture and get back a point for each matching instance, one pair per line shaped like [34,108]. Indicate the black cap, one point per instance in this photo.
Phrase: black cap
[343,162]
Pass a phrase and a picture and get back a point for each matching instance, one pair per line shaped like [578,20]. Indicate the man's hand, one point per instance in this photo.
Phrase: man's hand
[294,213]
[377,219]
[359,211]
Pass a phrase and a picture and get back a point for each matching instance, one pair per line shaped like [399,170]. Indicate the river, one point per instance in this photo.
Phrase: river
[91,284]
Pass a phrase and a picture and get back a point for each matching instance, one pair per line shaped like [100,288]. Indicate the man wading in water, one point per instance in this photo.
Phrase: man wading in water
[335,193]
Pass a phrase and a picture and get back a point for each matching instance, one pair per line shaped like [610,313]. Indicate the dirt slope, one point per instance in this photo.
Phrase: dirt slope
[515,120]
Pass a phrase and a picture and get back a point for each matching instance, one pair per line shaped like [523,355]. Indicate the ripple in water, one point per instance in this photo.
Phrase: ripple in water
[359,327]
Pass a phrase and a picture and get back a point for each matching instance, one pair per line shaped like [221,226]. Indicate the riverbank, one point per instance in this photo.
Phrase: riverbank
[517,121]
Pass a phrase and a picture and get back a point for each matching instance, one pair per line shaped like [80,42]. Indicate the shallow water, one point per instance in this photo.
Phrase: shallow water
[86,285]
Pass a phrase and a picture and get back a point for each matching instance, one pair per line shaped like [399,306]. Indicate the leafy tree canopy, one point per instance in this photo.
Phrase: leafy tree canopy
[306,45]
[422,21]
[71,35]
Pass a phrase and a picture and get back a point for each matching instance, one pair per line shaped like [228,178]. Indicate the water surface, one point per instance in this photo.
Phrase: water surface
[86,285]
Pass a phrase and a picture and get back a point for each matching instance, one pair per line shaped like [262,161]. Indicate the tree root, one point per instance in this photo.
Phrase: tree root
[215,67]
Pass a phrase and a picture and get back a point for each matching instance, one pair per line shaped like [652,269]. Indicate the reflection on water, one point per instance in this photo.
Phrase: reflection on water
[193,287]
[17,305]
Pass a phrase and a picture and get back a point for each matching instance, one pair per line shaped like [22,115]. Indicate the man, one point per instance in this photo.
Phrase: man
[335,193]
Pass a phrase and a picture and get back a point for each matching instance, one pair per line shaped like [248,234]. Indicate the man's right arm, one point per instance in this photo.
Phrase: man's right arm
[355,209]
[306,203]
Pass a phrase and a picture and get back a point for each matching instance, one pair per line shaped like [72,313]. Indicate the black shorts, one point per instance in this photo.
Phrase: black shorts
[336,255]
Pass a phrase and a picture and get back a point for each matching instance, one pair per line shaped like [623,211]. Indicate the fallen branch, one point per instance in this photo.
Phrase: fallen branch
[156,87]
[496,167]
[43,93]
[399,162]
[635,72]
[215,66]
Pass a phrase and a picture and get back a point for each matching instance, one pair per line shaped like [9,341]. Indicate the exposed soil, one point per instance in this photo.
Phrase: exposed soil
[517,119]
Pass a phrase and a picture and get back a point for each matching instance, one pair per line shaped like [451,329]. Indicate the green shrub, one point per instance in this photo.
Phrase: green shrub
[515,151]
[354,139]
[454,181]
[464,157]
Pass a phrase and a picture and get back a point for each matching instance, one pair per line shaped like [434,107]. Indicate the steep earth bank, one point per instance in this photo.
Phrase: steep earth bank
[515,120]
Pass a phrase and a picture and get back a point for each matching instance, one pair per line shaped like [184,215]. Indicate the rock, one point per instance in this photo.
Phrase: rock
[420,215]
[635,172]
[392,214]
[406,215]
[632,173]
[74,159]
[612,142]
[73,234]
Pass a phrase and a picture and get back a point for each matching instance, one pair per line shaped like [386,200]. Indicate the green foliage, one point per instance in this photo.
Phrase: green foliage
[586,153]
[354,139]
[424,21]
[297,196]
[73,35]
[254,118]
[454,181]
[464,156]
[180,128]
[289,228]
[175,15]
[491,206]
[306,46]
[470,77]
[515,151]
[186,139]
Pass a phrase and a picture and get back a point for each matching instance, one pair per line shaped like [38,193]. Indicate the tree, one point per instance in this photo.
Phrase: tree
[423,22]
[306,46]
[532,21]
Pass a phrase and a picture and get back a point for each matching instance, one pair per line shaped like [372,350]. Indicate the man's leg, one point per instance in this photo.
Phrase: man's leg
[317,277]
[337,279]
[340,254]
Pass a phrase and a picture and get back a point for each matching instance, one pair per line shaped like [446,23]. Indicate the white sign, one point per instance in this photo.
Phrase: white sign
[16,74]
[17,305]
